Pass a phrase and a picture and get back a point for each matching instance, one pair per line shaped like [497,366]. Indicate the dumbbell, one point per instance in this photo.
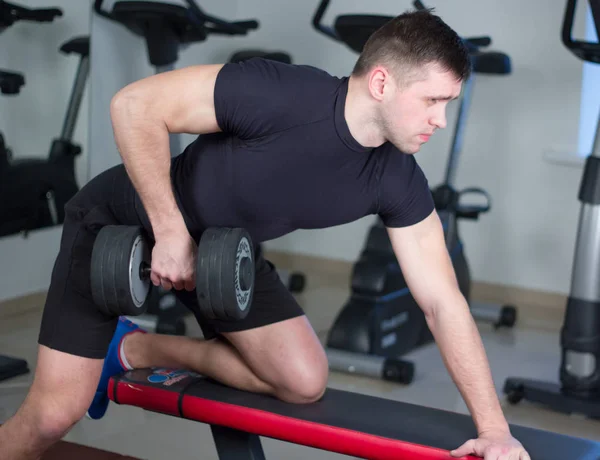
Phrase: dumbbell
[120,272]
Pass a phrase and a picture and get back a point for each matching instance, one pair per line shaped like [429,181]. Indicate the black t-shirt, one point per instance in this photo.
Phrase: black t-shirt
[286,159]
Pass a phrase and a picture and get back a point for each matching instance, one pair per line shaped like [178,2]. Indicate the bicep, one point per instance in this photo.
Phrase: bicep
[424,260]
[183,99]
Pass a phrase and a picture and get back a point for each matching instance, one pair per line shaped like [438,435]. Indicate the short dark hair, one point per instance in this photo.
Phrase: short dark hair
[410,41]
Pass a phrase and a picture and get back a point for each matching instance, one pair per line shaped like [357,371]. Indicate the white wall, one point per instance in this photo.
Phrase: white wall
[30,120]
[528,237]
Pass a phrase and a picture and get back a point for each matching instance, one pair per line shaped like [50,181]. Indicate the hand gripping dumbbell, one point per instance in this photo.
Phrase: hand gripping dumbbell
[120,272]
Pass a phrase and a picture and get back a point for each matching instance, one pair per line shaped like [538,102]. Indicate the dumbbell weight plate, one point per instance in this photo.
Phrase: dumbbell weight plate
[118,287]
[225,273]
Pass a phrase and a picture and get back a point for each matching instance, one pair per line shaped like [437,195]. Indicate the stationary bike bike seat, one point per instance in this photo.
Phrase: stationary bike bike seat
[472,211]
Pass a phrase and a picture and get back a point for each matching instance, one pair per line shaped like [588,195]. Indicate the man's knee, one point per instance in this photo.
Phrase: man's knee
[55,422]
[50,416]
[305,379]
[62,391]
[287,359]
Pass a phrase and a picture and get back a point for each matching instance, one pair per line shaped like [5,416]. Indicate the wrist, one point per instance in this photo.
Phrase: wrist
[494,430]
[494,422]
[168,224]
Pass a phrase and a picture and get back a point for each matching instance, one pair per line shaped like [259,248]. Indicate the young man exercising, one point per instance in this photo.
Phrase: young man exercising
[280,148]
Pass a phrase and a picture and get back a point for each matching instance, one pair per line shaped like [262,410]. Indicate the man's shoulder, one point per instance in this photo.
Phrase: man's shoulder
[395,164]
[260,96]
[271,70]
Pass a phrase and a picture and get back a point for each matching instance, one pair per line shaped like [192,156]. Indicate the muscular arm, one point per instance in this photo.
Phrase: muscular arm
[143,114]
[429,274]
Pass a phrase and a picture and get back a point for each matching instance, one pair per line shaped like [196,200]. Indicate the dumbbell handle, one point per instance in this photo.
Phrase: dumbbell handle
[245,275]
[145,270]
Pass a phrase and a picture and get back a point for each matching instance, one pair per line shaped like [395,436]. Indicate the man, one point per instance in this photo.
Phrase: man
[280,147]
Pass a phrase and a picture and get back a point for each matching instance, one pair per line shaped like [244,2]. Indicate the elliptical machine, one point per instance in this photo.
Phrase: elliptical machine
[35,190]
[579,388]
[166,28]
[381,321]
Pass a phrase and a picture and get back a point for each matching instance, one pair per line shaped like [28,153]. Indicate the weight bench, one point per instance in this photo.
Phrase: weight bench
[342,422]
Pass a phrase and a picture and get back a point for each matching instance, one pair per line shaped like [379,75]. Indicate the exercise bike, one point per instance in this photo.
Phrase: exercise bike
[381,321]
[579,373]
[11,84]
[35,190]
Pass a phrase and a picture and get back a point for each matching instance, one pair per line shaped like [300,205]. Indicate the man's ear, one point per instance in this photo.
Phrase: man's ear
[379,82]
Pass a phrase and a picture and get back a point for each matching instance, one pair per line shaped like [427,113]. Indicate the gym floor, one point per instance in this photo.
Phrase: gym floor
[529,350]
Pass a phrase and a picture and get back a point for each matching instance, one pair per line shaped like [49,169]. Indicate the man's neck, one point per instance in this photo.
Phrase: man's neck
[360,115]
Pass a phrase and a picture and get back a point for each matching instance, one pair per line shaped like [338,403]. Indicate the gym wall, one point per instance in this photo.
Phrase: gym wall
[526,240]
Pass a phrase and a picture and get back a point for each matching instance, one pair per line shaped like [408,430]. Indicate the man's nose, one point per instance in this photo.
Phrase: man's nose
[439,120]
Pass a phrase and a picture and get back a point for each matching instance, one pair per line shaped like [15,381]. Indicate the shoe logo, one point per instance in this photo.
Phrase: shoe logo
[169,376]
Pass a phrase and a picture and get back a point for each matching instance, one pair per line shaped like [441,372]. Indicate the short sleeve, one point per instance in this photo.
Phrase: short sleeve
[252,97]
[405,198]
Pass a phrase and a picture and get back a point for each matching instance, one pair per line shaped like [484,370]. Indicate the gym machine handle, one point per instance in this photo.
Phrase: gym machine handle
[473,211]
[10,13]
[584,50]
[98,9]
[248,25]
[240,27]
[478,42]
[419,5]
[327,30]
[468,212]
[219,26]
[222,26]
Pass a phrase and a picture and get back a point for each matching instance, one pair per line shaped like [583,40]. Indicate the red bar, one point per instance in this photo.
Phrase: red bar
[276,426]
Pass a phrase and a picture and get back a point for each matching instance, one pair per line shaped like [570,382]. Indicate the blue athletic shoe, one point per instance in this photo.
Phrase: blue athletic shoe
[113,365]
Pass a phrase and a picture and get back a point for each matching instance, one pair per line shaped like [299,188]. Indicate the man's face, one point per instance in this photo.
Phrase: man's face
[412,113]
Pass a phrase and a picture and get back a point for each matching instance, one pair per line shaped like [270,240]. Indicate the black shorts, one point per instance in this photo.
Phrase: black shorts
[71,323]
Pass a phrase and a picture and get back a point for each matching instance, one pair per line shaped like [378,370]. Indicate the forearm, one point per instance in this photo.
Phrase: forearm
[463,353]
[143,142]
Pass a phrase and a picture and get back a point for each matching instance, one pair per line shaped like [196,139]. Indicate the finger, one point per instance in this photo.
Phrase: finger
[524,456]
[178,285]
[190,281]
[155,279]
[465,449]
[190,285]
[166,284]
[492,454]
[514,455]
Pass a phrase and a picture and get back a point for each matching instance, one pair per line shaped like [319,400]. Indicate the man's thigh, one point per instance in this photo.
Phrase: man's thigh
[272,303]
[285,354]
[276,340]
